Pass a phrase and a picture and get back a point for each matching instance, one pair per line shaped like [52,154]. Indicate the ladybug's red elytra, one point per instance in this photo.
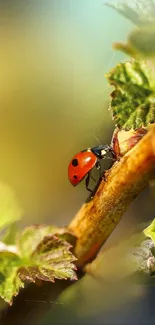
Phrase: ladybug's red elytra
[83,162]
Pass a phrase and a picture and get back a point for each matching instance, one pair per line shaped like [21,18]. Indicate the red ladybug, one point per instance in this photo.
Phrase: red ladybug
[82,163]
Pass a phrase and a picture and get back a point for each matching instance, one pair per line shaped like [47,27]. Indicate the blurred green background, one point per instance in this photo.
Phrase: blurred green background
[53,97]
[53,101]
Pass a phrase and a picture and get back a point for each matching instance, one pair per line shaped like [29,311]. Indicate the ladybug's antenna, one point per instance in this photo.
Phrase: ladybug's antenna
[97,139]
[113,56]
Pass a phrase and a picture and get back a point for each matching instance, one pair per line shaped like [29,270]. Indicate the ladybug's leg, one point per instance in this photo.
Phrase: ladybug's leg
[92,177]
[98,167]
[87,183]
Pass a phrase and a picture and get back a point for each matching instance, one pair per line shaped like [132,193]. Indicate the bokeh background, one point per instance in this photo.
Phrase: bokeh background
[53,97]
[53,101]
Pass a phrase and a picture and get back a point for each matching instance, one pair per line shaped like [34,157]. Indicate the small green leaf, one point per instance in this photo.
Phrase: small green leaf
[33,235]
[133,100]
[46,254]
[42,252]
[150,231]
[51,260]
[10,210]
[140,12]
[10,282]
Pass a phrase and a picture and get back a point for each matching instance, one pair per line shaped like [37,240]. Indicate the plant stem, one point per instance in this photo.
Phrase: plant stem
[127,178]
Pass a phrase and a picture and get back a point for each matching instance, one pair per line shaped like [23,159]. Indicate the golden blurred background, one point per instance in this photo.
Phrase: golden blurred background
[53,97]
[53,101]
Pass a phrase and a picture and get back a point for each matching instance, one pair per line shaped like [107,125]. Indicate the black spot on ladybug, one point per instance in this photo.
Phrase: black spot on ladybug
[75,162]
[75,176]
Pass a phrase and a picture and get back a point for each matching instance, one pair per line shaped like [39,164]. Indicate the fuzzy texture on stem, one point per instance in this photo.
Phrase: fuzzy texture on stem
[127,178]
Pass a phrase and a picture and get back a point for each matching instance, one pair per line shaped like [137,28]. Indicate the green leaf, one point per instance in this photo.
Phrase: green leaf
[33,235]
[10,282]
[41,253]
[51,260]
[46,254]
[30,238]
[10,210]
[150,231]
[140,12]
[133,100]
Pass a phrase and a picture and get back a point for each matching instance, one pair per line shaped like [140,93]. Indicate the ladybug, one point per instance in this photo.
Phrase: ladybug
[83,162]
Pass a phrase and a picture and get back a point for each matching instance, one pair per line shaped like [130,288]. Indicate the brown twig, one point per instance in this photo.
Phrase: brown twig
[96,219]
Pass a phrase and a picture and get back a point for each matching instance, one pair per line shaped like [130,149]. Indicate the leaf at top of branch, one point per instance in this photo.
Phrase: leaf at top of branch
[140,43]
[133,100]
[42,252]
[140,12]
